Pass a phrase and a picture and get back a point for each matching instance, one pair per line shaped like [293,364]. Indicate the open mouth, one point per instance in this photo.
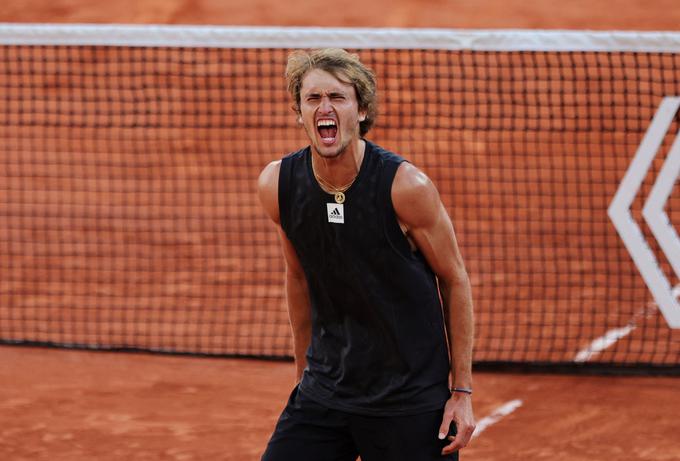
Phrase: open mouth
[327,129]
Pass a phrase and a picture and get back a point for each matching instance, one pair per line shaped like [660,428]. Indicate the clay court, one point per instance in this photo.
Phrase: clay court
[59,404]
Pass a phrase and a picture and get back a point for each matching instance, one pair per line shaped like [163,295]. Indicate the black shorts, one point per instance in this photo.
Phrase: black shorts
[308,431]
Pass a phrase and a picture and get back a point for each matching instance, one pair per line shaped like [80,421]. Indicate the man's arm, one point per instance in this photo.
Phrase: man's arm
[420,210]
[297,295]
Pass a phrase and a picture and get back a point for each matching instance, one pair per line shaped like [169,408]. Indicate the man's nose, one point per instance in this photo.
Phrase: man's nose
[325,106]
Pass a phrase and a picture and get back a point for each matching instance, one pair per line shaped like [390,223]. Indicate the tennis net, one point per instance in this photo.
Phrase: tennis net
[129,157]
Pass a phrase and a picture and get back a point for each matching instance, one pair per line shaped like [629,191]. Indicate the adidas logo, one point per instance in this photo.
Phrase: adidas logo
[336,213]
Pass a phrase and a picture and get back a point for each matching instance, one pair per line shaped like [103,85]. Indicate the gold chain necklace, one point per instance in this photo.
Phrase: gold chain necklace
[338,192]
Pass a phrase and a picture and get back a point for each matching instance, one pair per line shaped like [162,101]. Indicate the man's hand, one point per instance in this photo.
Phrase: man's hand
[458,409]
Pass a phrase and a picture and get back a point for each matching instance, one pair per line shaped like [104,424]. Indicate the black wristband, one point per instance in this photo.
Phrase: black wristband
[464,390]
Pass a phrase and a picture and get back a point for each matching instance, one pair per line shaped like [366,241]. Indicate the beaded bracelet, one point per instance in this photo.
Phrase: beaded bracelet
[464,390]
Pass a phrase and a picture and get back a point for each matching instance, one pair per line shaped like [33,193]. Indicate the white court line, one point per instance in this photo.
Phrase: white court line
[603,342]
[498,414]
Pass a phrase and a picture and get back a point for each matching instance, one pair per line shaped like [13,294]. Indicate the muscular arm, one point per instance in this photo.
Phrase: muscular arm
[297,295]
[422,214]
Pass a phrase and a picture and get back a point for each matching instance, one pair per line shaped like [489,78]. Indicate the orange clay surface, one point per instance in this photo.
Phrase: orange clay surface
[546,14]
[72,405]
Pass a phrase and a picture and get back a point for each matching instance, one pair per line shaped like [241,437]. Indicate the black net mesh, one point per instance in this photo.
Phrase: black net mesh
[129,218]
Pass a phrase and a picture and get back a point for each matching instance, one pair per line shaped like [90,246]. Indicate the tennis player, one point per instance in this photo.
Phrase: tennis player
[371,255]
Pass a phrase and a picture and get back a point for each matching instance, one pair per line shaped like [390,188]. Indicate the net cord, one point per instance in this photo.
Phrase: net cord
[142,35]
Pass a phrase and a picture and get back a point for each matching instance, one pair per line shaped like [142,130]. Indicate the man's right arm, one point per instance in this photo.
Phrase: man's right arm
[297,295]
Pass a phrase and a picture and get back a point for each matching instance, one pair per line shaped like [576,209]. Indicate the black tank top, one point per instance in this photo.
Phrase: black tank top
[378,342]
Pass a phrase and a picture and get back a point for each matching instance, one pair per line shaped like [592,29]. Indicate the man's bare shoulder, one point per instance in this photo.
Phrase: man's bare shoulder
[269,174]
[268,189]
[414,196]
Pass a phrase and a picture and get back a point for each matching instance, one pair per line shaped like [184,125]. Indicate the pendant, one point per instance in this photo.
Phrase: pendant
[339,197]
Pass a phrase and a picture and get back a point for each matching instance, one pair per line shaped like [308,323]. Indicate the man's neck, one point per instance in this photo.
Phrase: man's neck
[343,167]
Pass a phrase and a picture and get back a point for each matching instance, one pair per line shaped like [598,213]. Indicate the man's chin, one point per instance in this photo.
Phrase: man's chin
[329,151]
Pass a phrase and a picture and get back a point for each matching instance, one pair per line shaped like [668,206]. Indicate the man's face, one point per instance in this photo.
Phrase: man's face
[330,113]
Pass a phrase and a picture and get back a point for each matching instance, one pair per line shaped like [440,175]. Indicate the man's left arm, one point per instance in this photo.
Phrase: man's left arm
[427,224]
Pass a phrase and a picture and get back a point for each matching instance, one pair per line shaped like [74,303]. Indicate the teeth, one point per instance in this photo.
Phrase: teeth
[325,123]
